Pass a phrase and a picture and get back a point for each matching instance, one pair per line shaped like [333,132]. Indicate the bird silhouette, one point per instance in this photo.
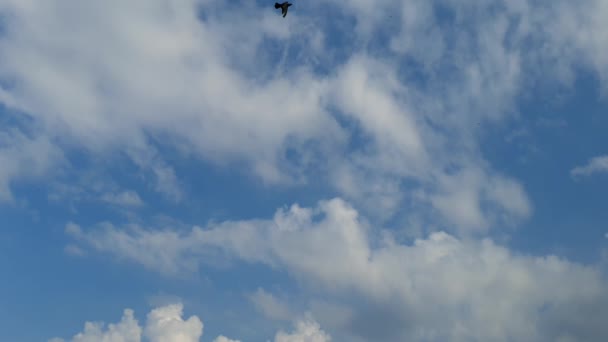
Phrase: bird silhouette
[284,6]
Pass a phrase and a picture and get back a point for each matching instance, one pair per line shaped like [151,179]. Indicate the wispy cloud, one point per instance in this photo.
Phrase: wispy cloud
[270,306]
[165,324]
[25,158]
[187,80]
[595,165]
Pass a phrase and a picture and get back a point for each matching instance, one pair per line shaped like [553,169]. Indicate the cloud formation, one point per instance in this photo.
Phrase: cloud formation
[597,164]
[125,199]
[306,331]
[25,157]
[270,306]
[182,74]
[127,330]
[165,324]
[437,288]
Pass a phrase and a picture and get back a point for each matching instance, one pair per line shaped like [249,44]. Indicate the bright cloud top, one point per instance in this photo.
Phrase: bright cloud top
[438,288]
[165,324]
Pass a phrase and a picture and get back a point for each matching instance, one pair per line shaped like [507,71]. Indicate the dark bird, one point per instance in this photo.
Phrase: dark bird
[284,6]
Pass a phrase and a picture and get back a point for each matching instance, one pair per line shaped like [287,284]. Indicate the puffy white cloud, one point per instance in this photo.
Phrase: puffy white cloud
[306,331]
[127,330]
[597,164]
[165,324]
[438,288]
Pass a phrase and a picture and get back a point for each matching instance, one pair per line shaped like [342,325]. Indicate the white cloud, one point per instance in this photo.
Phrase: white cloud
[24,158]
[440,287]
[306,331]
[127,330]
[164,247]
[597,164]
[270,306]
[127,198]
[92,185]
[195,85]
[165,324]
[222,338]
[151,72]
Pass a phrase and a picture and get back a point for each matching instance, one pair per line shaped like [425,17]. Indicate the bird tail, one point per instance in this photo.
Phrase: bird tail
[276,5]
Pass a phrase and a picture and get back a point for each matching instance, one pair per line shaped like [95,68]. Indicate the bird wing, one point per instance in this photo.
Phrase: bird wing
[284,11]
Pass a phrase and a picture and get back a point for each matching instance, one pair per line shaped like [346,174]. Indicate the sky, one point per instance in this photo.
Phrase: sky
[396,170]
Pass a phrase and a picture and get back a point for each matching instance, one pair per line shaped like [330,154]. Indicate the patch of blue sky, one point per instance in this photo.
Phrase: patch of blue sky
[539,149]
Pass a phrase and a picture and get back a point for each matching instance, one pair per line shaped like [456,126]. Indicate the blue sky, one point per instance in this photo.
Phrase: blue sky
[397,170]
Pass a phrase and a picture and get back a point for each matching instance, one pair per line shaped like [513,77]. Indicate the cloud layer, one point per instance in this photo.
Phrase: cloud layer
[184,74]
[438,288]
[295,102]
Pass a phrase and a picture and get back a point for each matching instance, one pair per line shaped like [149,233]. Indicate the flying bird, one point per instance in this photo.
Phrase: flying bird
[284,6]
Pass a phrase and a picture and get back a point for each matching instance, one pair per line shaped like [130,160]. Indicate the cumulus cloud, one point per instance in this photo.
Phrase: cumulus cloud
[165,324]
[127,330]
[306,331]
[597,164]
[438,288]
